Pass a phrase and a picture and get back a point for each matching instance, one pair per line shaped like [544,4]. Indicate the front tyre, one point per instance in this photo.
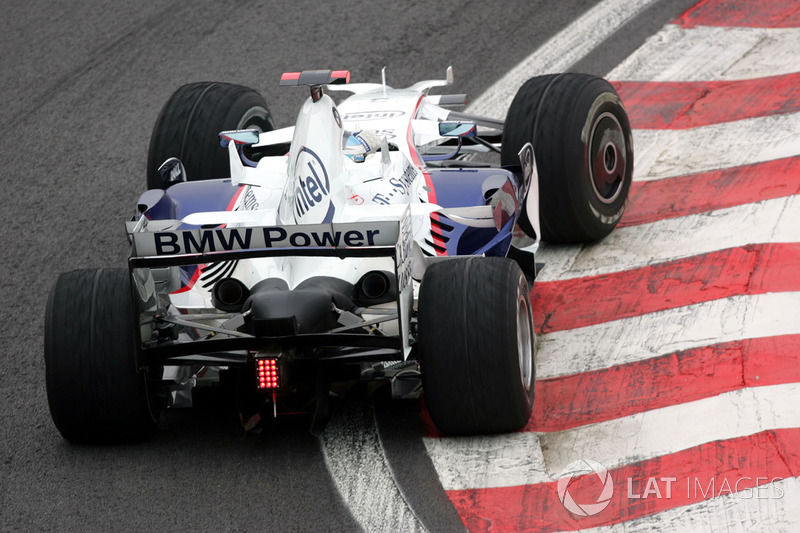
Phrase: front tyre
[476,343]
[583,144]
[95,389]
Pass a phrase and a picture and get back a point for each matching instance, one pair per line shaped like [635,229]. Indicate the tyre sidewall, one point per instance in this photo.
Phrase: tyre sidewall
[557,113]
[602,217]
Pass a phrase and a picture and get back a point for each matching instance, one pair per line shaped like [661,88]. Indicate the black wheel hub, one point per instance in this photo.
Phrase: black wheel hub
[607,157]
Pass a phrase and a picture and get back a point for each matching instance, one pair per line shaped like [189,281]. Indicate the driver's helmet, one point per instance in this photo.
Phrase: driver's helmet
[359,144]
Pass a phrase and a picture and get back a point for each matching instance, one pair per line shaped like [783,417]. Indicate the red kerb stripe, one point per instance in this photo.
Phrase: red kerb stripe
[597,396]
[677,105]
[720,468]
[751,269]
[750,13]
[709,191]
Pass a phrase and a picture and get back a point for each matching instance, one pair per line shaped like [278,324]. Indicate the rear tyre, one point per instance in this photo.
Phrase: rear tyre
[582,140]
[95,389]
[189,124]
[476,343]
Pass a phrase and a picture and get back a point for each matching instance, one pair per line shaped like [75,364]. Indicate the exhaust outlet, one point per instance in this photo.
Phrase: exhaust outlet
[229,295]
[376,286]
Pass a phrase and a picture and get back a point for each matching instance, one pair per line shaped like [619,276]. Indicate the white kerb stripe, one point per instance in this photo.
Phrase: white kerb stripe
[776,220]
[559,53]
[709,53]
[529,458]
[666,153]
[643,337]
[488,460]
[672,429]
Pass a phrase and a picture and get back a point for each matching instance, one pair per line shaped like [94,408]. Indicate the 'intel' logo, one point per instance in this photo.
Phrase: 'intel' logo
[313,183]
[374,115]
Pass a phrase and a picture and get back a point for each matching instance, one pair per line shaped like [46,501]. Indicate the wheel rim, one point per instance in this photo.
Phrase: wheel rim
[256,118]
[524,342]
[608,158]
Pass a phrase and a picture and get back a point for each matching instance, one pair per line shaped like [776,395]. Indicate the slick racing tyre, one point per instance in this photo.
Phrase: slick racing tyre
[582,141]
[95,390]
[476,343]
[189,124]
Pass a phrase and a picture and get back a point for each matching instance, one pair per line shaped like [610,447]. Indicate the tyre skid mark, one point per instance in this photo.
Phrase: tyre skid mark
[677,427]
[358,466]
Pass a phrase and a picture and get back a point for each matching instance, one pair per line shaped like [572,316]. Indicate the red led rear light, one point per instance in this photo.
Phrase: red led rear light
[267,374]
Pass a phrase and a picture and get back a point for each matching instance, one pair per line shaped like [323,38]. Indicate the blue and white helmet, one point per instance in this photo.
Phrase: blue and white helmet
[359,144]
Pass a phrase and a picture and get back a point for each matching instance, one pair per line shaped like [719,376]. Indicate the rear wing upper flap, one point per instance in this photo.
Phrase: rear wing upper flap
[167,241]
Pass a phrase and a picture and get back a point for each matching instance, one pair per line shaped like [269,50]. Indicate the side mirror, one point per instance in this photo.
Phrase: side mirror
[458,129]
[238,137]
[171,172]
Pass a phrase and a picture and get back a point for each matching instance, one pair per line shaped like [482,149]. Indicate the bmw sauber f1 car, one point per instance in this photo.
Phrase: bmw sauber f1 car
[386,236]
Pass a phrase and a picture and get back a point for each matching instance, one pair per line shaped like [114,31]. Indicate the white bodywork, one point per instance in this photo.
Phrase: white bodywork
[322,195]
[317,183]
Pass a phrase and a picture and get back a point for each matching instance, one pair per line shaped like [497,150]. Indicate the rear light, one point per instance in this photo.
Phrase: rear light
[267,373]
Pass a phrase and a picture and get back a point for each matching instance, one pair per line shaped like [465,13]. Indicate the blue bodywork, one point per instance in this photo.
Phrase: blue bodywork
[463,187]
[454,187]
[185,198]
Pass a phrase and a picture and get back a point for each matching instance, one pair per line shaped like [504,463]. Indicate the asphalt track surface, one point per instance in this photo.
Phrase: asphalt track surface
[81,85]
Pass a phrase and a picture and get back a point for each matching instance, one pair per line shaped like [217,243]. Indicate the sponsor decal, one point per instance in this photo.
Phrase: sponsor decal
[404,253]
[250,201]
[403,183]
[381,199]
[389,134]
[337,117]
[312,182]
[232,239]
[400,186]
[373,115]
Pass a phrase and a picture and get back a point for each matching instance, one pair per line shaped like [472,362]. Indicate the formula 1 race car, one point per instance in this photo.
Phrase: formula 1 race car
[383,237]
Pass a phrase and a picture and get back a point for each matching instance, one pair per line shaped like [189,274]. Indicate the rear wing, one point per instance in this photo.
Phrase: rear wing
[155,248]
[315,77]
[227,243]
